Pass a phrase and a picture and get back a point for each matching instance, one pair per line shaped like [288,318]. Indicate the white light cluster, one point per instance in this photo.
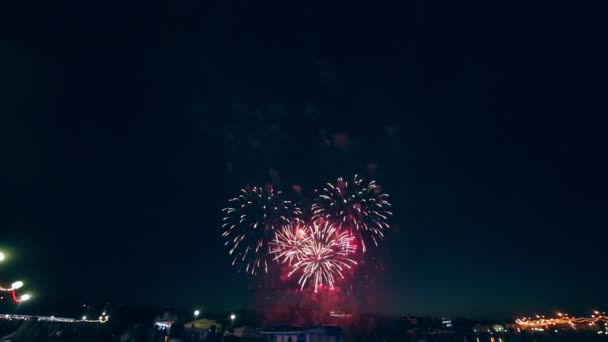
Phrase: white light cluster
[50,318]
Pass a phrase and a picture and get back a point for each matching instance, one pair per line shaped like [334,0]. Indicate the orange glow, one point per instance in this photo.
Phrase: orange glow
[527,323]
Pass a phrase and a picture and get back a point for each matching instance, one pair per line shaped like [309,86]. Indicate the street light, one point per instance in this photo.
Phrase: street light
[84,318]
[17,285]
[196,313]
[1,256]
[25,297]
[232,318]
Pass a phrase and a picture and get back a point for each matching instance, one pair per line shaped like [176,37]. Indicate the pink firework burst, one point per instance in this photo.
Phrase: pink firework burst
[324,256]
[289,243]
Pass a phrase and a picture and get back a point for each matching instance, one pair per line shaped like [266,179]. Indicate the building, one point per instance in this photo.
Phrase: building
[294,334]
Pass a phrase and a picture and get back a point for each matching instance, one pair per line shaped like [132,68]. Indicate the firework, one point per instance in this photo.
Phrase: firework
[289,243]
[355,206]
[250,224]
[324,256]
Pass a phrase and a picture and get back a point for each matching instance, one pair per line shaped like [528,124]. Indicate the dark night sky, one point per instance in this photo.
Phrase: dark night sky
[124,128]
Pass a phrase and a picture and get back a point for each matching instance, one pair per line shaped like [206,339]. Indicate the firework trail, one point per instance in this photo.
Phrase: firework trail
[324,256]
[355,206]
[251,222]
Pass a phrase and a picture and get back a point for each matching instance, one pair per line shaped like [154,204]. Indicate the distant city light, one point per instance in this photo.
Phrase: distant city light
[84,318]
[339,314]
[563,319]
[48,318]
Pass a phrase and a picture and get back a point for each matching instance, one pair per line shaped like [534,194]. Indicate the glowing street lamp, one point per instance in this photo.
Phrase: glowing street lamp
[232,318]
[25,297]
[17,285]
[1,256]
[196,313]
[84,318]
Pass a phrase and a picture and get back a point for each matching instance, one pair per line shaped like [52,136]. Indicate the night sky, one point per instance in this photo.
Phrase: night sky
[124,128]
